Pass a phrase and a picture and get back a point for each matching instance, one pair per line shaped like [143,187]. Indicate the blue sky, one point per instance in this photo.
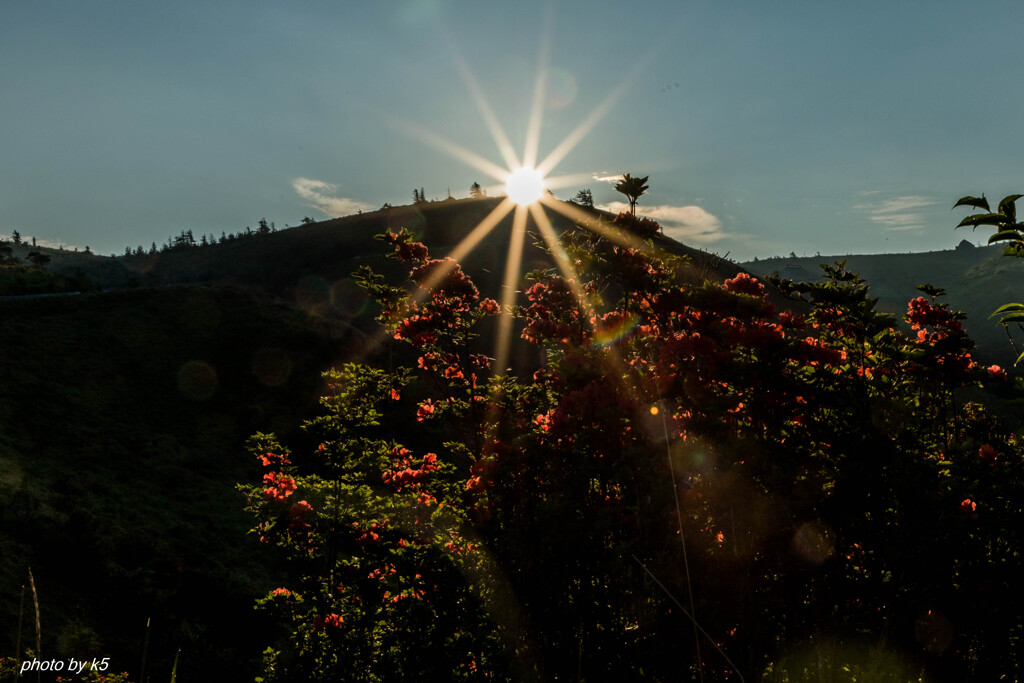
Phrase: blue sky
[765,128]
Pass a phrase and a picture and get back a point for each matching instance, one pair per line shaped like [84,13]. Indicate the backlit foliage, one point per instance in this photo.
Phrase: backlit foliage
[803,484]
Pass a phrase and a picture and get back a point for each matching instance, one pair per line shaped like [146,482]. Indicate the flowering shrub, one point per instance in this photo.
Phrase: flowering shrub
[9,669]
[691,480]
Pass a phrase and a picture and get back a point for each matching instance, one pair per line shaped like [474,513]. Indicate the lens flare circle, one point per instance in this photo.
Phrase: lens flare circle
[525,186]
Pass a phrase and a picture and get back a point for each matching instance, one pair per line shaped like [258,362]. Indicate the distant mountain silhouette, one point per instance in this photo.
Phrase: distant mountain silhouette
[279,263]
[311,265]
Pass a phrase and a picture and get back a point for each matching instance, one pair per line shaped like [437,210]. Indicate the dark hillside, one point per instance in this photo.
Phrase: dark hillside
[311,264]
[123,419]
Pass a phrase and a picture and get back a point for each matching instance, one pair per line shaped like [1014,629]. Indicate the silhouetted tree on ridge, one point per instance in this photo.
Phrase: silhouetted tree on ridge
[584,198]
[633,188]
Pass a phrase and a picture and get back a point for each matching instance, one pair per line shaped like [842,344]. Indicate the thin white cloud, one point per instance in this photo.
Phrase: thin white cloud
[683,223]
[321,196]
[897,214]
[608,178]
[49,243]
[56,244]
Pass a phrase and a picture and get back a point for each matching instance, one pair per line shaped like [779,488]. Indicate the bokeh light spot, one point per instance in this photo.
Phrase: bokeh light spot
[814,542]
[197,380]
[313,294]
[348,298]
[272,367]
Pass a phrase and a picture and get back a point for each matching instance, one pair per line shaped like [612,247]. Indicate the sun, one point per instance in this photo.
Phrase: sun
[525,186]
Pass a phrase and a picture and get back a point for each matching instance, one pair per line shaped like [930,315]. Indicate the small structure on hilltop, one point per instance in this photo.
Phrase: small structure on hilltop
[964,244]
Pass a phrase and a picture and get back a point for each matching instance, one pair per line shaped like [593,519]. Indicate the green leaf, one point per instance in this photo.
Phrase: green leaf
[1005,235]
[973,201]
[1006,308]
[1008,206]
[983,219]
[1012,318]
[931,290]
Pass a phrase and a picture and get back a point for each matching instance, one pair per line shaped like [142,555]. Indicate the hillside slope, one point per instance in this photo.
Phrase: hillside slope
[306,263]
[123,419]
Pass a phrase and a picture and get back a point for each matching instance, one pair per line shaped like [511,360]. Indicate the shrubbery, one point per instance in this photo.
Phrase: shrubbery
[691,479]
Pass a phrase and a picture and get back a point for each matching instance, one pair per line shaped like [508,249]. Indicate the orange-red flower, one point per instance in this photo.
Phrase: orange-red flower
[279,486]
[425,410]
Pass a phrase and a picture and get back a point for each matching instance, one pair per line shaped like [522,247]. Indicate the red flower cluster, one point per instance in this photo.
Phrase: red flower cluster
[380,573]
[922,313]
[417,328]
[298,514]
[425,410]
[818,354]
[478,471]
[300,510]
[744,283]
[454,287]
[792,320]
[554,314]
[405,249]
[403,475]
[274,460]
[322,623]
[370,534]
[431,362]
[279,486]
[452,294]
[996,372]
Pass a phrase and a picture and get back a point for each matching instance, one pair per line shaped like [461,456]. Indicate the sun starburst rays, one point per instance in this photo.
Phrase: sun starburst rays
[559,153]
[536,117]
[539,200]
[454,149]
[525,204]
[547,232]
[577,214]
[487,114]
[513,262]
